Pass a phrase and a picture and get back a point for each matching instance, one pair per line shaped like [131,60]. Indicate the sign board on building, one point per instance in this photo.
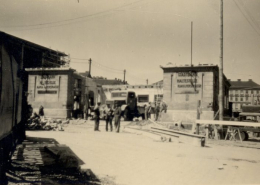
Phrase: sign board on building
[187,83]
[47,84]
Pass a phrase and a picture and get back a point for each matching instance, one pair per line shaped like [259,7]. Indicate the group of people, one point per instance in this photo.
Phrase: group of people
[157,108]
[110,113]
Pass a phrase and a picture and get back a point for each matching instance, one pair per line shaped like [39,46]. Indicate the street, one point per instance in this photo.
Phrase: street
[130,159]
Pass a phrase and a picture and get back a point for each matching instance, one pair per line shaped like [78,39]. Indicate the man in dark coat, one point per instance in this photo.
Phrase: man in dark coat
[109,117]
[97,117]
[41,112]
[117,114]
[157,111]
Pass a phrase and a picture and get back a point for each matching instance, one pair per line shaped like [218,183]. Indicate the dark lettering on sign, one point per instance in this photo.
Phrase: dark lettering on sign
[47,82]
[48,87]
[186,80]
[185,74]
[47,77]
[47,92]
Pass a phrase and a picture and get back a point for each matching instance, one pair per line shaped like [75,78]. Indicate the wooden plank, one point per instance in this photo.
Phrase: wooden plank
[229,123]
[177,132]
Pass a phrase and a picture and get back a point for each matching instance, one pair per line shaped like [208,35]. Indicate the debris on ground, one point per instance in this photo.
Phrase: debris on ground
[37,123]
[44,161]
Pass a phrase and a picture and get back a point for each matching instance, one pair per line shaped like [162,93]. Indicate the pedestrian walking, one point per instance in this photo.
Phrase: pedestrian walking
[97,116]
[117,114]
[109,117]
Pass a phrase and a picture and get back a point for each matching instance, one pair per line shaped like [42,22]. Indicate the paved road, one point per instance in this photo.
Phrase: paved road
[132,159]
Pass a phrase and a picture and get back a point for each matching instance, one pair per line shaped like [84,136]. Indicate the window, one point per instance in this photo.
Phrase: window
[241,99]
[246,98]
[77,83]
[236,99]
[118,94]
[241,91]
[158,98]
[131,95]
[143,98]
[231,98]
[252,92]
[257,92]
[246,91]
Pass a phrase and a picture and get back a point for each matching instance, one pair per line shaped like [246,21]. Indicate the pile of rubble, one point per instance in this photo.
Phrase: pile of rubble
[37,123]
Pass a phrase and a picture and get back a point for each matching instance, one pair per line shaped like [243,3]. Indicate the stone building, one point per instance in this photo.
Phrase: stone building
[58,90]
[243,93]
[185,86]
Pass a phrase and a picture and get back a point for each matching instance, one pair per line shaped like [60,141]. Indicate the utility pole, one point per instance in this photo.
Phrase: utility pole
[220,99]
[191,43]
[90,66]
[124,75]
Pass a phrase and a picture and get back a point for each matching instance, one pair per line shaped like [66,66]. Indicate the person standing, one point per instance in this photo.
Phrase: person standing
[41,112]
[85,112]
[157,111]
[147,111]
[109,118]
[117,115]
[97,117]
[163,108]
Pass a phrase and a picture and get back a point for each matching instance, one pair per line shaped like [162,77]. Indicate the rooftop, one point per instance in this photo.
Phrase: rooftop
[104,81]
[250,84]
[4,36]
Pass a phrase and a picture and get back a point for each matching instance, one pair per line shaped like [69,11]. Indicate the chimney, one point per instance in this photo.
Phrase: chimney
[239,80]
[250,80]
[115,78]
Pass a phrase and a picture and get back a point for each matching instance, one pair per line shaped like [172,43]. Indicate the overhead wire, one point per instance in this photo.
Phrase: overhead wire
[246,18]
[121,70]
[70,21]
[250,15]
[106,69]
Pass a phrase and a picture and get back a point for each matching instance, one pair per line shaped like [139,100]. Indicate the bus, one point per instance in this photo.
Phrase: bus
[127,101]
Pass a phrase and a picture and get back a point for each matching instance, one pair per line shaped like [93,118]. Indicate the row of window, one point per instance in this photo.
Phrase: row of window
[243,91]
[237,99]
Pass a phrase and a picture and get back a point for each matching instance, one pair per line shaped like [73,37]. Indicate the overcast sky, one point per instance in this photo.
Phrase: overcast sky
[140,35]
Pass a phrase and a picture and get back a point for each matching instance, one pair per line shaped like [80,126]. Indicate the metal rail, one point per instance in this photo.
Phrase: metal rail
[228,123]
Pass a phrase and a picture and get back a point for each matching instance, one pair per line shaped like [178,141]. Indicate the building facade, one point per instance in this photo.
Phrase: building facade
[185,87]
[243,93]
[58,90]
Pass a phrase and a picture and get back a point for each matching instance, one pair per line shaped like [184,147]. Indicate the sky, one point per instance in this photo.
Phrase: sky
[140,35]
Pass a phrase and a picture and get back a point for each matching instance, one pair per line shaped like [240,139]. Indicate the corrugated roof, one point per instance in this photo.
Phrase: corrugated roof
[4,36]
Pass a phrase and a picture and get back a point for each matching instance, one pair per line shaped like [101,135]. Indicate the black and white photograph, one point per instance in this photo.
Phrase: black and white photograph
[129,92]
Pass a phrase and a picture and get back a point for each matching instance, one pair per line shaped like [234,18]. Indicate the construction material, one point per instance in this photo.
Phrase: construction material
[235,128]
[185,137]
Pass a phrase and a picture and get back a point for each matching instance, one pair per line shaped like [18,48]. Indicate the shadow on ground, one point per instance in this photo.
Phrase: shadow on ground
[45,161]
